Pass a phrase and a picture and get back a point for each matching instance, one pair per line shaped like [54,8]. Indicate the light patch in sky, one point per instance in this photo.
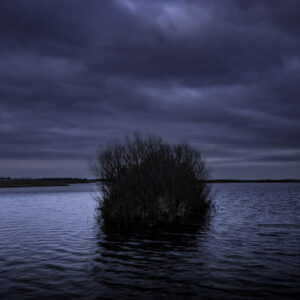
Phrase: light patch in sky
[174,18]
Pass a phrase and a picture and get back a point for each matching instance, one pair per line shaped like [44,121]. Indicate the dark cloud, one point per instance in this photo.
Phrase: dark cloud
[222,75]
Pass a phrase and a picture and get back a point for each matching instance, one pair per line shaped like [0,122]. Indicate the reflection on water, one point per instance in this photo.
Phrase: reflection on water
[151,264]
[51,245]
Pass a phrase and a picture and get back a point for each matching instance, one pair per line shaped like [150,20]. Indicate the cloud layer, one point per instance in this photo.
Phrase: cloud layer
[222,75]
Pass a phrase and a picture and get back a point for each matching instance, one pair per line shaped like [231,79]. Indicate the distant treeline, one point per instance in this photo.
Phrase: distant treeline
[253,180]
[30,182]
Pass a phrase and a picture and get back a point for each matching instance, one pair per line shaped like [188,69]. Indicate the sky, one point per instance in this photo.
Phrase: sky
[223,76]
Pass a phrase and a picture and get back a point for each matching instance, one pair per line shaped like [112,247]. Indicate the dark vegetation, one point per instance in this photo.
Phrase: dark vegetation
[27,182]
[254,181]
[147,182]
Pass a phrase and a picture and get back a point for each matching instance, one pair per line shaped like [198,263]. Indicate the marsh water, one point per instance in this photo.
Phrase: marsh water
[52,246]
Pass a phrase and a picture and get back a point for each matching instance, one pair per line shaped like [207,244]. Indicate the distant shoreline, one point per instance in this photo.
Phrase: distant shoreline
[41,182]
[44,182]
[254,181]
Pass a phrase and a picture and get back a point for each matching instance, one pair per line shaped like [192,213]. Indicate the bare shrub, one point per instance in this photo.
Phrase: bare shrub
[148,182]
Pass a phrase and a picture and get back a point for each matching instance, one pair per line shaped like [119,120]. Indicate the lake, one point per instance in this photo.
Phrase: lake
[51,246]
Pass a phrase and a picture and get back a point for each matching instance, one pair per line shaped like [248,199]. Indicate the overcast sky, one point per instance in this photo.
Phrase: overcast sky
[221,75]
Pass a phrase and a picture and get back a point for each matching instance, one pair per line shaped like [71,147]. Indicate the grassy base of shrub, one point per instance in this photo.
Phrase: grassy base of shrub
[149,183]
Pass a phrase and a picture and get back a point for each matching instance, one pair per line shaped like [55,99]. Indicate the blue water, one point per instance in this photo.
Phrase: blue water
[51,246]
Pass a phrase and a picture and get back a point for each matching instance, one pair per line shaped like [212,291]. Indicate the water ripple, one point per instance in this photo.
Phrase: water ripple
[52,246]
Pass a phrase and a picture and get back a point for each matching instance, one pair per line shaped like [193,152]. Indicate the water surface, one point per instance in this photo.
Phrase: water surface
[52,246]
